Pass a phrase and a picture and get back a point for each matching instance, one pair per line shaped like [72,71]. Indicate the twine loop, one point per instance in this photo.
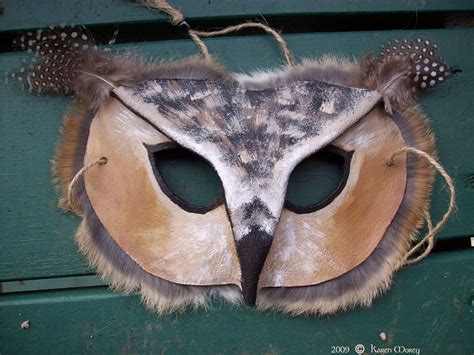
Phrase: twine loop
[284,46]
[72,202]
[428,240]
[177,19]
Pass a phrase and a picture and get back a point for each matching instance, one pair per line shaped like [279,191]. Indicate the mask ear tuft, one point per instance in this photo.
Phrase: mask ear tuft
[427,70]
[59,52]
[67,61]
[391,78]
[403,70]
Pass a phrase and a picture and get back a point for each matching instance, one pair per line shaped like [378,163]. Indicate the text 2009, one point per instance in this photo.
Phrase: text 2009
[336,349]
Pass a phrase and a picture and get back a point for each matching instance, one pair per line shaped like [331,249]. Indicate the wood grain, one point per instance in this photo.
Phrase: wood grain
[17,14]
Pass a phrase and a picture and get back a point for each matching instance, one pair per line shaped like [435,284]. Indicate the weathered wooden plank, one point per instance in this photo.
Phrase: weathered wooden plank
[17,14]
[430,308]
[51,284]
[37,239]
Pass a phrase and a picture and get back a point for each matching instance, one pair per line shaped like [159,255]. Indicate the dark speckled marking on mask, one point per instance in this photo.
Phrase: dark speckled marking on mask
[254,208]
[259,125]
[257,97]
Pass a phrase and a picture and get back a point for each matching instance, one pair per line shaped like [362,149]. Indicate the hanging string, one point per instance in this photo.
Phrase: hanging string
[406,260]
[177,19]
[284,46]
[428,239]
[72,203]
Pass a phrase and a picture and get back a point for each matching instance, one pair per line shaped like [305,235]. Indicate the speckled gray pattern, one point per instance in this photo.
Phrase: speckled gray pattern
[261,124]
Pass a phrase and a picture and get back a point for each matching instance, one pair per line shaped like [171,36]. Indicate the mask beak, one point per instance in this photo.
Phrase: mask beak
[252,250]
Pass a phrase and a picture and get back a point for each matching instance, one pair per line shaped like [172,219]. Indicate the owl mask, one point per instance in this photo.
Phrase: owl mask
[248,242]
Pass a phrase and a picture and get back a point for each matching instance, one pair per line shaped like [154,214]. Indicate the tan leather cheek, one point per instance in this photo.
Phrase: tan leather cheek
[315,247]
[165,240]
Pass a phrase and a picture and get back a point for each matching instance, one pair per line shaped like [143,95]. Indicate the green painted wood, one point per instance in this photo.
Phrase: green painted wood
[51,284]
[37,238]
[17,13]
[430,307]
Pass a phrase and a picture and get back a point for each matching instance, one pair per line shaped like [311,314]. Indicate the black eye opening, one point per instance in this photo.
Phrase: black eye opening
[318,180]
[188,179]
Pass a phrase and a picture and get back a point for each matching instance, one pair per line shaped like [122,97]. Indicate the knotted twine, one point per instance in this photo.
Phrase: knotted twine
[428,239]
[177,19]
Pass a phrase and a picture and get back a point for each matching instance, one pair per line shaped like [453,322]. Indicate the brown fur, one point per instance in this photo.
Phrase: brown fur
[391,79]
[73,134]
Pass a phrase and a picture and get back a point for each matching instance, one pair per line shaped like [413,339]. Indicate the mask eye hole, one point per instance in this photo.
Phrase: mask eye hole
[318,180]
[186,178]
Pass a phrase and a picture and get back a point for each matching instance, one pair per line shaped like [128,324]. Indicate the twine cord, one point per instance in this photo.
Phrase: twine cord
[428,247]
[200,44]
[428,239]
[177,18]
[284,46]
[72,202]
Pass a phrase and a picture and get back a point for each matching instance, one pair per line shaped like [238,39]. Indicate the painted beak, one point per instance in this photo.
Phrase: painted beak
[252,250]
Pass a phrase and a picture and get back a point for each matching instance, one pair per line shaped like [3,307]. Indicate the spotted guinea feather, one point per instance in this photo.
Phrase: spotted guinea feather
[59,54]
[67,61]
[427,69]
[402,71]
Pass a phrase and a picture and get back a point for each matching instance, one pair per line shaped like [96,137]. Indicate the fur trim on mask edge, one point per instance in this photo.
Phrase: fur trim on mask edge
[357,287]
